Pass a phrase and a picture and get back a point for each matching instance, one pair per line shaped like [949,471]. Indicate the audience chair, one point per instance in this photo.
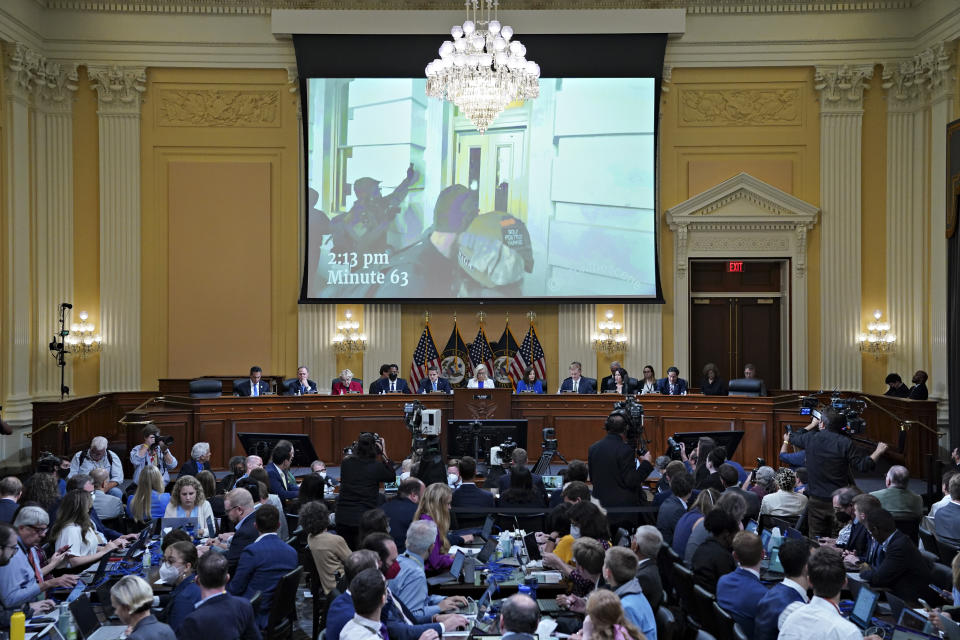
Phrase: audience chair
[283,612]
[738,633]
[666,623]
[703,605]
[665,561]
[911,527]
[683,582]
[236,383]
[942,576]
[929,541]
[255,601]
[723,622]
[205,388]
[320,601]
[946,551]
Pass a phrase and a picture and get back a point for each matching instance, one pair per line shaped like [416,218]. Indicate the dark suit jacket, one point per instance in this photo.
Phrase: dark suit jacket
[244,388]
[261,566]
[738,593]
[295,386]
[648,575]
[918,392]
[710,561]
[374,386]
[670,512]
[663,387]
[400,512]
[276,484]
[586,385]
[181,603]
[7,509]
[504,483]
[341,612]
[902,568]
[152,629]
[752,500]
[711,481]
[470,495]
[191,468]
[442,385]
[223,617]
[859,541]
[242,538]
[631,387]
[614,473]
[769,608]
[383,386]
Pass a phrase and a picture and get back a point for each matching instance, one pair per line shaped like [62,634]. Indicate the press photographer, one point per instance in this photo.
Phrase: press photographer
[154,451]
[831,456]
[618,469]
[365,466]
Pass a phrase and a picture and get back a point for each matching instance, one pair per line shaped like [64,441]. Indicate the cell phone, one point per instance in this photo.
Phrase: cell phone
[63,548]
[923,603]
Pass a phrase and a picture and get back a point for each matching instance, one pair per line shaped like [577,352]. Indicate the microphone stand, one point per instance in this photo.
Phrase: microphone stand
[59,351]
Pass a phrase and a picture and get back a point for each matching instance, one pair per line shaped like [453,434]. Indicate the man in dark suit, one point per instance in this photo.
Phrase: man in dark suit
[673,384]
[280,460]
[895,386]
[739,592]
[375,385]
[468,494]
[576,383]
[218,615]
[519,617]
[519,458]
[393,383]
[616,476]
[199,460]
[263,563]
[900,566]
[793,556]
[303,384]
[10,490]
[400,510]
[238,505]
[673,508]
[433,382]
[731,484]
[646,544]
[252,386]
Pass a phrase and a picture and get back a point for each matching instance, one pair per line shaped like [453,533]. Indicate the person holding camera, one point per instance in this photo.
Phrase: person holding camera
[830,457]
[153,452]
[615,470]
[361,473]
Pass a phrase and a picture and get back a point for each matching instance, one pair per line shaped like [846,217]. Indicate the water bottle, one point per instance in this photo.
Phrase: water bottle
[63,622]
[146,560]
[71,630]
[518,551]
[18,626]
[775,541]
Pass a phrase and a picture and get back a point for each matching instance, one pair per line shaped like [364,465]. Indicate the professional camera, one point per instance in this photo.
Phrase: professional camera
[47,462]
[352,448]
[673,449]
[166,440]
[850,411]
[505,451]
[549,439]
[632,412]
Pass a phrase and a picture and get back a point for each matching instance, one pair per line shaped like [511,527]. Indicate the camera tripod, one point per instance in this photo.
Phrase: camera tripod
[546,458]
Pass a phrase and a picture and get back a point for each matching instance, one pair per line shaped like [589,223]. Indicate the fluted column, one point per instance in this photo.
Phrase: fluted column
[906,212]
[119,96]
[841,117]
[53,239]
[317,324]
[381,322]
[940,79]
[642,324]
[21,72]
[576,324]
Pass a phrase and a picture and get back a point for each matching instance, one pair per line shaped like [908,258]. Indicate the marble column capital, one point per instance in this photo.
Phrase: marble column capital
[841,87]
[119,89]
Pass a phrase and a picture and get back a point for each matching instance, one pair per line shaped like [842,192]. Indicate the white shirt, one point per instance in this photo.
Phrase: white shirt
[79,545]
[821,615]
[783,503]
[361,628]
[942,502]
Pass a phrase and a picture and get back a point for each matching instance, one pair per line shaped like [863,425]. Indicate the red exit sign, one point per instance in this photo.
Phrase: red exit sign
[735,267]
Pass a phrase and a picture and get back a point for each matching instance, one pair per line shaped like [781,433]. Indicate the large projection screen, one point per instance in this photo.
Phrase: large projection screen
[405,199]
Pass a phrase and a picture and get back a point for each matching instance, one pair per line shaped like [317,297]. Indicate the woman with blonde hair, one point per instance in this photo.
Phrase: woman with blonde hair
[132,598]
[605,619]
[481,379]
[149,501]
[73,529]
[435,506]
[188,500]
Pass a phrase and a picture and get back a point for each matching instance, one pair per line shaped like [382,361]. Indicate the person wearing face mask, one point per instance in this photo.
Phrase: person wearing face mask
[586,520]
[178,570]
[453,474]
[131,598]
[187,500]
[392,383]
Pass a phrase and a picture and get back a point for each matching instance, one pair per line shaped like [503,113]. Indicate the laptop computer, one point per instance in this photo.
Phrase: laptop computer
[552,483]
[451,576]
[103,597]
[533,549]
[911,619]
[89,625]
[484,555]
[190,525]
[902,633]
[863,607]
[765,536]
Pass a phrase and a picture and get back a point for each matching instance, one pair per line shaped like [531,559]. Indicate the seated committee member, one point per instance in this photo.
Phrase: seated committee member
[302,385]
[99,457]
[252,386]
[218,615]
[649,382]
[530,384]
[392,383]
[712,384]
[481,379]
[346,384]
[375,385]
[750,373]
[622,383]
[673,384]
[433,383]
[576,383]
[606,382]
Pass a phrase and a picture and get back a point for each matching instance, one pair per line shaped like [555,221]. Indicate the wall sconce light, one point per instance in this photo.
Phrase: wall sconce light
[348,338]
[878,340]
[609,337]
[82,340]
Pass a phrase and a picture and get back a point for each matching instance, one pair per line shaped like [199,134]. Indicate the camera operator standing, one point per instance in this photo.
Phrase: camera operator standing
[616,471]
[361,473]
[830,458]
[154,451]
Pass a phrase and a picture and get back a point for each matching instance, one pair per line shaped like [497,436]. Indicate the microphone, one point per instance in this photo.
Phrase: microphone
[66,305]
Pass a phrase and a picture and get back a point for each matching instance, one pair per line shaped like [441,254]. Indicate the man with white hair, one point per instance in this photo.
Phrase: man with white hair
[99,457]
[902,503]
[646,544]
[199,460]
[410,584]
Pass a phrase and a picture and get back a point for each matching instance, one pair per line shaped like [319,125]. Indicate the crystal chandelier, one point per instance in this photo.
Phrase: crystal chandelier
[879,340]
[609,337]
[348,338]
[481,70]
[82,340]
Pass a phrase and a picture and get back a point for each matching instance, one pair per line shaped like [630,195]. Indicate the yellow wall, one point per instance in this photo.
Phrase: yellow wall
[710,132]
[221,174]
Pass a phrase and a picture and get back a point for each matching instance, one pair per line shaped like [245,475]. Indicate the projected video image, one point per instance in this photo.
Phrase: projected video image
[408,200]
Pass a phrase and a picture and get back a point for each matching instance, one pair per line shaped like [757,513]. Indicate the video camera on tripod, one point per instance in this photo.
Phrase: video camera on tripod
[424,426]
[632,412]
[850,411]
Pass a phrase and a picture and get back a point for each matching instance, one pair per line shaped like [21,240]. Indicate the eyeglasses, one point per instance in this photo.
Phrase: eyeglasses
[38,528]
[9,546]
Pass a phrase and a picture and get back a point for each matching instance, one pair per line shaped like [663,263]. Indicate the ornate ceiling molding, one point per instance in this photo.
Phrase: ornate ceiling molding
[926,77]
[50,83]
[264,7]
[841,87]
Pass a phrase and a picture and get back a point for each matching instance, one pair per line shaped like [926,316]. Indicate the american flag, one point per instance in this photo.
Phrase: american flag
[530,354]
[481,353]
[424,356]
